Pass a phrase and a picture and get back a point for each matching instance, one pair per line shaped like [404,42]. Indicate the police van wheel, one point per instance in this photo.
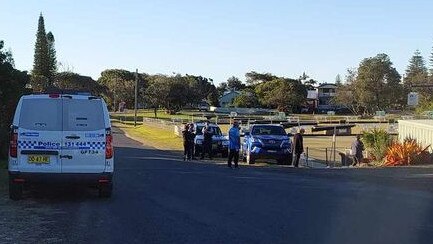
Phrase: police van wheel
[15,190]
[105,190]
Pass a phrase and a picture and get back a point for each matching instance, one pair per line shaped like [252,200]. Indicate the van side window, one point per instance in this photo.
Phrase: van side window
[41,114]
[82,115]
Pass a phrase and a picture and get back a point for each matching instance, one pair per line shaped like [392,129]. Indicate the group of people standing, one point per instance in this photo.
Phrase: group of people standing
[189,134]
[188,142]
[235,144]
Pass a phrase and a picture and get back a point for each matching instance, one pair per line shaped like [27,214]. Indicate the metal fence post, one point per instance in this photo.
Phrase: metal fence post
[306,158]
[326,152]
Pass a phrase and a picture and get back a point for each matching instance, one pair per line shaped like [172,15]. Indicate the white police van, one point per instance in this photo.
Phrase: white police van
[61,138]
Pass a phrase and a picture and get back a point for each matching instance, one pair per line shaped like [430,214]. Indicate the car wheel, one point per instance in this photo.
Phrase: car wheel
[250,158]
[15,190]
[225,154]
[105,190]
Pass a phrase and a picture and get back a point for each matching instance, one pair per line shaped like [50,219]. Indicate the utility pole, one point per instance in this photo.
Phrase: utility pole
[135,97]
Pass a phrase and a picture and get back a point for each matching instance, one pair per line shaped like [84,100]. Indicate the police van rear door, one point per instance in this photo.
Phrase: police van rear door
[39,134]
[83,135]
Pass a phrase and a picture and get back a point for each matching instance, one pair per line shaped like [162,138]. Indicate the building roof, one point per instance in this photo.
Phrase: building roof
[418,122]
[327,85]
[230,92]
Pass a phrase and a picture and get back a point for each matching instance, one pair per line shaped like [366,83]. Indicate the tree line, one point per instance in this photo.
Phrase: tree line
[374,85]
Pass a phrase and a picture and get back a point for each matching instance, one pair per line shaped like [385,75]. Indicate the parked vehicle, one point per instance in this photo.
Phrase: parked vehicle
[267,142]
[220,142]
[203,106]
[61,138]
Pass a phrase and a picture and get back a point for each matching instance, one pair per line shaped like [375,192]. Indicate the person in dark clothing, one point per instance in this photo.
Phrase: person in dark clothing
[357,149]
[234,144]
[190,139]
[186,145]
[207,141]
[298,147]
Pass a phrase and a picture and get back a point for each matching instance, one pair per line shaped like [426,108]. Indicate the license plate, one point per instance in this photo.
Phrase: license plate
[272,151]
[38,159]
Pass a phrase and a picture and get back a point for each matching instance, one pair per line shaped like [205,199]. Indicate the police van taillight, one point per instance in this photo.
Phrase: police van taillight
[108,144]
[13,143]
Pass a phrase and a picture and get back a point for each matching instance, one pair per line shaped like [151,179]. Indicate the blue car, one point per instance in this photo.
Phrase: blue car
[267,142]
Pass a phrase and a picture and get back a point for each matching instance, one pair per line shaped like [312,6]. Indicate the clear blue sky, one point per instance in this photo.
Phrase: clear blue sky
[221,38]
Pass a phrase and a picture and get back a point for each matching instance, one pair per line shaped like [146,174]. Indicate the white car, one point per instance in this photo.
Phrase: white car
[63,138]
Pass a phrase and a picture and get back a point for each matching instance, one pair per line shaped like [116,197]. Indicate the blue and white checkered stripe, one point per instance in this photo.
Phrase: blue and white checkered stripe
[27,144]
[96,145]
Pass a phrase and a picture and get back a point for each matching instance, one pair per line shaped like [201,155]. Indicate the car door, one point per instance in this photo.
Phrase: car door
[40,135]
[83,136]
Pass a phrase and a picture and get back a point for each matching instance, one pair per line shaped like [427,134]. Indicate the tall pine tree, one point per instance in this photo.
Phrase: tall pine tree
[51,54]
[41,73]
[41,57]
[417,74]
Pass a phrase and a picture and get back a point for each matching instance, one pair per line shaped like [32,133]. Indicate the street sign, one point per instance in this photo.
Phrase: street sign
[412,99]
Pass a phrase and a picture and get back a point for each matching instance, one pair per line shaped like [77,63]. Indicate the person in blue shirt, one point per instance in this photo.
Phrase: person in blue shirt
[234,144]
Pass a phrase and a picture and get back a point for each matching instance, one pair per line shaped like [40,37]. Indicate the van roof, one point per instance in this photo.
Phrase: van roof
[57,95]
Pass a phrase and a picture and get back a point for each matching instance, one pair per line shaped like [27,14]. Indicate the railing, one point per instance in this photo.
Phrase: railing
[327,157]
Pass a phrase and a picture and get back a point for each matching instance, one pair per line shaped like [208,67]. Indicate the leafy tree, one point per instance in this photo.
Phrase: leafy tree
[41,64]
[304,77]
[377,85]
[51,53]
[74,81]
[213,97]
[281,93]
[156,92]
[307,81]
[12,86]
[345,93]
[247,99]
[254,78]
[199,88]
[222,87]
[233,83]
[120,86]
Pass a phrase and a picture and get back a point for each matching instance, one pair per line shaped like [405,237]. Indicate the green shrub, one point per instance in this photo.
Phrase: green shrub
[377,142]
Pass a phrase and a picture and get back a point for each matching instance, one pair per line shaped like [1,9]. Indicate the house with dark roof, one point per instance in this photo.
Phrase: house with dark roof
[228,98]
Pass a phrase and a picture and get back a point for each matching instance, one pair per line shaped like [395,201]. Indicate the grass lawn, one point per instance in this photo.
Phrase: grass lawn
[144,113]
[153,135]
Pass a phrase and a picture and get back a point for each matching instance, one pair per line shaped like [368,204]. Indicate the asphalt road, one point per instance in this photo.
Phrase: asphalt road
[160,199]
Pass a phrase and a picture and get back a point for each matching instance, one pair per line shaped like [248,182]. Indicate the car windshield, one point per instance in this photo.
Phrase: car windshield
[215,130]
[268,130]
